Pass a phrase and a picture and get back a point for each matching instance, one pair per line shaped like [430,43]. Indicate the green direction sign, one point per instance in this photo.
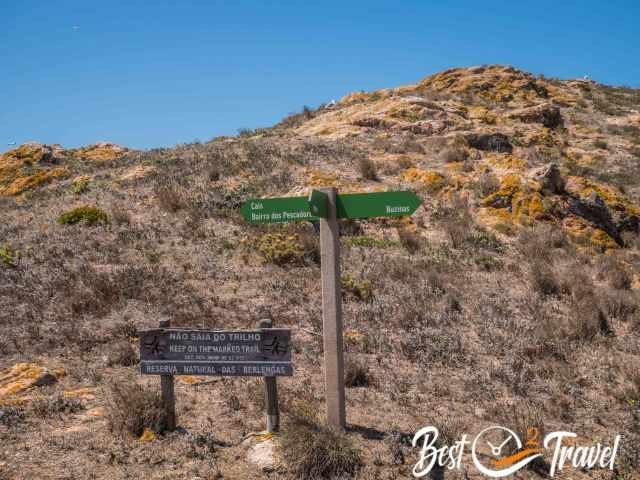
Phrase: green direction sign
[272,210]
[376,204]
[350,205]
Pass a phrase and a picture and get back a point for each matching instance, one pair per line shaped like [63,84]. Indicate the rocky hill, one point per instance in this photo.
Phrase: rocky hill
[510,297]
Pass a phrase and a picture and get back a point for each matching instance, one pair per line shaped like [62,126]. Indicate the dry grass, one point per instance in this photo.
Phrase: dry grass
[367,169]
[357,373]
[313,451]
[455,219]
[131,408]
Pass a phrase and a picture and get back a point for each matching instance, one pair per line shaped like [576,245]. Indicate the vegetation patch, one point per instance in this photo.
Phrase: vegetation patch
[370,242]
[9,256]
[132,408]
[285,249]
[359,289]
[87,215]
[80,185]
[312,451]
[432,180]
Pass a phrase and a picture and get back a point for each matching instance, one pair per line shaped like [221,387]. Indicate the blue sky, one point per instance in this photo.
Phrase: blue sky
[157,73]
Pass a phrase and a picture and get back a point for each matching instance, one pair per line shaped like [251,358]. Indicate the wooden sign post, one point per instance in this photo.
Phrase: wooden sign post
[332,313]
[271,392]
[168,394]
[327,206]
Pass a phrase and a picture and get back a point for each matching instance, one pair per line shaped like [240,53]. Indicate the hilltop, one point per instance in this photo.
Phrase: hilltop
[510,297]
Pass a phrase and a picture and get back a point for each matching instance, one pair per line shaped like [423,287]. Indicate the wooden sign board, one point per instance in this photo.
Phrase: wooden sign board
[174,351]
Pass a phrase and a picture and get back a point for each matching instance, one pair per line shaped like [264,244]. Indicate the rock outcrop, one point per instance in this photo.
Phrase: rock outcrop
[546,114]
[490,142]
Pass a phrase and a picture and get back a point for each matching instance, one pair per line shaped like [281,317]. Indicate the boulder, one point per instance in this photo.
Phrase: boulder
[263,455]
[546,114]
[594,210]
[490,142]
[422,128]
[52,154]
[23,376]
[550,179]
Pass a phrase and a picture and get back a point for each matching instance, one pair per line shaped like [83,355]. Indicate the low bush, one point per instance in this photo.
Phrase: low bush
[367,169]
[456,220]
[57,404]
[358,289]
[356,373]
[132,408]
[543,279]
[369,242]
[121,353]
[170,198]
[80,186]
[286,249]
[454,154]
[410,240]
[9,257]
[312,451]
[87,215]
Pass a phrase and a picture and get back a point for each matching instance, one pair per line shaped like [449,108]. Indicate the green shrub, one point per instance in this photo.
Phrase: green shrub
[9,256]
[360,289]
[366,241]
[86,214]
[80,186]
[285,249]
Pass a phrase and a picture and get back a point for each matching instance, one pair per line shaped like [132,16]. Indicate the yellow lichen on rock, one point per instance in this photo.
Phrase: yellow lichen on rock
[506,161]
[99,152]
[543,136]
[585,232]
[496,82]
[317,178]
[23,376]
[510,184]
[430,178]
[614,199]
[21,169]
[527,207]
[482,114]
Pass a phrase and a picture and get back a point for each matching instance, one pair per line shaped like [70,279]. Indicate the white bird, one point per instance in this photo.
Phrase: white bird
[76,27]
[11,143]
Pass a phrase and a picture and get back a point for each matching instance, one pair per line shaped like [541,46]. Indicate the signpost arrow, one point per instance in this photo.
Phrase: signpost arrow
[272,210]
[376,204]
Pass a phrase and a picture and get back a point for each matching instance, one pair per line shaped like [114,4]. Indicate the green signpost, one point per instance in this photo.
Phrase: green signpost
[350,205]
[376,204]
[326,206]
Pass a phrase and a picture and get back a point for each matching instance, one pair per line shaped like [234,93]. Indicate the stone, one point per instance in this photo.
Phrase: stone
[490,142]
[546,114]
[263,455]
[594,210]
[550,179]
